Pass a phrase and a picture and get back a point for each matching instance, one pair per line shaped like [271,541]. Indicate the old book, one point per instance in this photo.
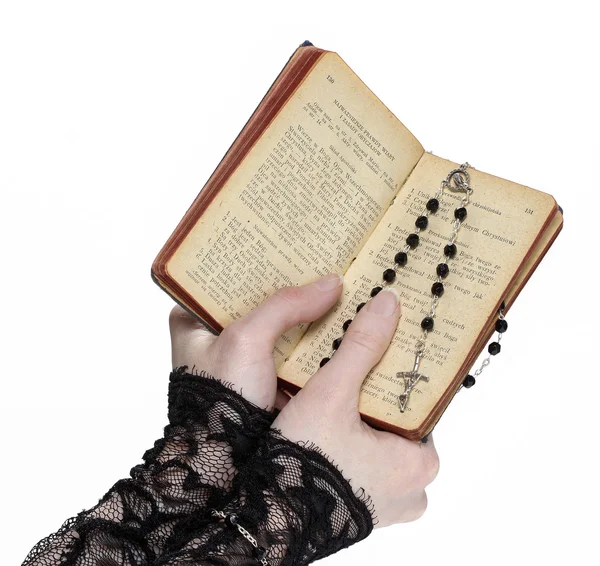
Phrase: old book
[324,178]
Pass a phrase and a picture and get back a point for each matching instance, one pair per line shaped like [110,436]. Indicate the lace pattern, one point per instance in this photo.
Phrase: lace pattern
[218,451]
[212,430]
[297,505]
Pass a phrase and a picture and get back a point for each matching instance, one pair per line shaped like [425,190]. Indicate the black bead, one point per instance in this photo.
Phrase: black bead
[421,222]
[501,325]
[494,348]
[375,290]
[347,324]
[469,381]
[427,323]
[437,289]
[442,270]
[460,213]
[231,520]
[401,258]
[260,553]
[336,343]
[432,205]
[450,250]
[389,275]
[323,362]
[360,306]
[413,240]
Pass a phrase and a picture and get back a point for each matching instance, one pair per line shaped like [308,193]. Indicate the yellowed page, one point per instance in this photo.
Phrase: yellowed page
[304,200]
[541,246]
[504,220]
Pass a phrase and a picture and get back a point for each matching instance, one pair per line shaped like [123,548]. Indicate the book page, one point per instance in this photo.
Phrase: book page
[304,200]
[504,220]
[541,247]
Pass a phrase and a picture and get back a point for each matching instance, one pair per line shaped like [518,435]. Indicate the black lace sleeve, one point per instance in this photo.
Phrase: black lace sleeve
[295,504]
[211,432]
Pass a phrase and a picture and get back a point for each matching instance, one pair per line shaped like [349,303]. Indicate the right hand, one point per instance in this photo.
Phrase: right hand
[393,471]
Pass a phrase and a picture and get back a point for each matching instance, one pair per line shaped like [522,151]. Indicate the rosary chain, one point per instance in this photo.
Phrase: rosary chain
[456,181]
[242,531]
[486,362]
[411,378]
[406,249]
[455,229]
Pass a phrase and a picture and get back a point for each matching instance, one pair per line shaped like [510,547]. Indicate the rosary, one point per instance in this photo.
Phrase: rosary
[457,181]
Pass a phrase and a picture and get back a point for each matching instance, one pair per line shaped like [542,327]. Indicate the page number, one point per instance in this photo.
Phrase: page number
[330,79]
[529,211]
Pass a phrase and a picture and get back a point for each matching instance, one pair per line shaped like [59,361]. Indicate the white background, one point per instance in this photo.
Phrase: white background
[112,117]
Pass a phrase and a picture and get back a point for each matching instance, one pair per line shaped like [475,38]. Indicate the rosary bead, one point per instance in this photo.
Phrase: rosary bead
[501,325]
[469,381]
[323,362]
[422,222]
[460,213]
[450,250]
[413,240]
[437,289]
[231,520]
[336,343]
[260,553]
[427,323]
[432,205]
[375,290]
[347,324]
[401,258]
[494,348]
[442,270]
[360,306]
[389,275]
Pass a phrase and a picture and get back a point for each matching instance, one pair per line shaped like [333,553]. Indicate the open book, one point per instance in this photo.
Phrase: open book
[324,178]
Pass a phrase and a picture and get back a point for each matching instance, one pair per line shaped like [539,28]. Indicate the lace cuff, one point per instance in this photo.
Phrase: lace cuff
[294,502]
[212,431]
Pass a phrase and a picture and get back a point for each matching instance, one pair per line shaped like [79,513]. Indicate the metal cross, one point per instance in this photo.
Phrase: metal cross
[411,378]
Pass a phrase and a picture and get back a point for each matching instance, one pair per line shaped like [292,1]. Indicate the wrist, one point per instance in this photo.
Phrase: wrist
[297,504]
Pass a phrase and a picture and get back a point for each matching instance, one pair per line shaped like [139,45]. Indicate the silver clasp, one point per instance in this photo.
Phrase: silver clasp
[458,180]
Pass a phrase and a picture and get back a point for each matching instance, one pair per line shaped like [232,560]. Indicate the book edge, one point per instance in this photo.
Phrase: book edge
[159,268]
[427,424]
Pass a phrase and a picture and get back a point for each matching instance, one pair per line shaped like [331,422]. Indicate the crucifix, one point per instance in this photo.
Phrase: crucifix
[411,378]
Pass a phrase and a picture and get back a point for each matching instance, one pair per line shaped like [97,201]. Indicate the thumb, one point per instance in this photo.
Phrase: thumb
[284,309]
[181,322]
[362,346]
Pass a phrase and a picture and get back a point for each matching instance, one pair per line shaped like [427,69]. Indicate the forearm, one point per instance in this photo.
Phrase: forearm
[293,502]
[211,432]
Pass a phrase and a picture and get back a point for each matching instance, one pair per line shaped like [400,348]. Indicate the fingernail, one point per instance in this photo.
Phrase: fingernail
[385,302]
[329,282]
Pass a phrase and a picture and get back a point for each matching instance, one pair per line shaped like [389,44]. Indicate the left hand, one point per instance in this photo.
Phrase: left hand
[242,354]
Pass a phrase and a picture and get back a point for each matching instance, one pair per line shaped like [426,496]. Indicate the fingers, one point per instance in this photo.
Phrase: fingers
[363,345]
[410,467]
[187,332]
[182,321]
[413,507]
[431,462]
[413,464]
[281,400]
[420,464]
[425,467]
[283,310]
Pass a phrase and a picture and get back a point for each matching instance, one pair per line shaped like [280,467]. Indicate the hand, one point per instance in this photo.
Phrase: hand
[243,353]
[393,471]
